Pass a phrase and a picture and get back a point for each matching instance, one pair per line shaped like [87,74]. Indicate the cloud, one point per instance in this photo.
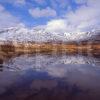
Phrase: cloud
[85,18]
[6,19]
[47,12]
[1,8]
[60,4]
[21,2]
[41,2]
[63,3]
[80,1]
[14,2]
[56,26]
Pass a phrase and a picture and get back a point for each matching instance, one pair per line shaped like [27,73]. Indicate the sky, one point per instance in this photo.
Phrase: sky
[54,15]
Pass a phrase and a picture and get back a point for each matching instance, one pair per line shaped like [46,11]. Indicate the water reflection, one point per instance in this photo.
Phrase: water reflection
[1,64]
[46,62]
[50,77]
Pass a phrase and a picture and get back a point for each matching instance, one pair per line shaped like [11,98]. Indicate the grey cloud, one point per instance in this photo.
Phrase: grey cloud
[6,19]
[84,18]
[47,12]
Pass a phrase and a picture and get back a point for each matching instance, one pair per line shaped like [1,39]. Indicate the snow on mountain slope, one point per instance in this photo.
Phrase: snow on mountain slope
[23,34]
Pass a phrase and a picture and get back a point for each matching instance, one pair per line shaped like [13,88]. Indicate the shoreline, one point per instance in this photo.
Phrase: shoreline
[83,47]
[8,50]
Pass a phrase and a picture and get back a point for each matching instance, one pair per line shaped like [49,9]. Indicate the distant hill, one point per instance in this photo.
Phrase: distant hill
[23,34]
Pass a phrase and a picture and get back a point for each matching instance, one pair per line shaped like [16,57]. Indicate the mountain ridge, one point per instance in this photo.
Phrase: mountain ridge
[23,34]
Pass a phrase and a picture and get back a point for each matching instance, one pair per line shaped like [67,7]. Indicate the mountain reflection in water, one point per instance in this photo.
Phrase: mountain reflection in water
[50,77]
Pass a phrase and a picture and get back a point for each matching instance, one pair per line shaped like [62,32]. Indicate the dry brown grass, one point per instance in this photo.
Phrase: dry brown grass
[10,49]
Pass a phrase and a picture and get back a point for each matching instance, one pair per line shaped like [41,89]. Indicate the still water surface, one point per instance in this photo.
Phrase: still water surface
[50,77]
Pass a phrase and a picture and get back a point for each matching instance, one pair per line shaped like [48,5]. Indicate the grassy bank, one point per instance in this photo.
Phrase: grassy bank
[8,51]
[50,48]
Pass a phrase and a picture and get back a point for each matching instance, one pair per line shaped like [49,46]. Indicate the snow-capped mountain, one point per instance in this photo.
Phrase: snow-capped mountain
[23,34]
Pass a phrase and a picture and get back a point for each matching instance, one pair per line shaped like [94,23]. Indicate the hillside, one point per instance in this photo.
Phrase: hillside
[23,34]
[20,40]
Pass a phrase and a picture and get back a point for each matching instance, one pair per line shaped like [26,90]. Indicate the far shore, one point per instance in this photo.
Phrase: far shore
[51,48]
